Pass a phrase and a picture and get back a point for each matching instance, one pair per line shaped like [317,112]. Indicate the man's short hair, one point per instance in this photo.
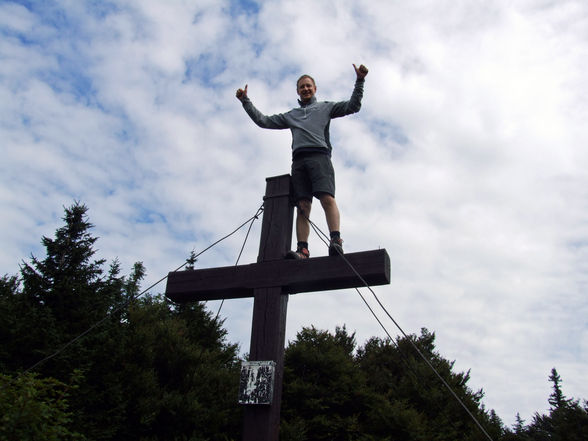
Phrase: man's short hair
[305,76]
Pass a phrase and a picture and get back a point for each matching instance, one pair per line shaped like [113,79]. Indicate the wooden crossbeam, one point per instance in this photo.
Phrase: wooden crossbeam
[269,282]
[293,276]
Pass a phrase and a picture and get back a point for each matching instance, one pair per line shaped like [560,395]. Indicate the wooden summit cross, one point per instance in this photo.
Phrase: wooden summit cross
[269,282]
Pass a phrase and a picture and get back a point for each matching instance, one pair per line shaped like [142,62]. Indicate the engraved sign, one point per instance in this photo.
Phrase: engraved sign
[257,382]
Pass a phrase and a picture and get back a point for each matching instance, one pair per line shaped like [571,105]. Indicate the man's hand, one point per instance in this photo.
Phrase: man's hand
[241,94]
[360,71]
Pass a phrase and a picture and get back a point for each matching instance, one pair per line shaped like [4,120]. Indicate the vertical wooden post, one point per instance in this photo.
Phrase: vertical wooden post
[270,281]
[268,332]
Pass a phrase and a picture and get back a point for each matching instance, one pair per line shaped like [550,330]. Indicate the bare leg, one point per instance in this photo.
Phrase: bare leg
[331,211]
[302,216]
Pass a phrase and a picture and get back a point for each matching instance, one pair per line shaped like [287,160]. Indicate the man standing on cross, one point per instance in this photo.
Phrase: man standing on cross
[312,170]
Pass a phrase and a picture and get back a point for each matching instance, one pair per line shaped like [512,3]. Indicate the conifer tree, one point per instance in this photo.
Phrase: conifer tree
[180,375]
[567,419]
[519,424]
[557,399]
[414,404]
[33,409]
[324,392]
[134,368]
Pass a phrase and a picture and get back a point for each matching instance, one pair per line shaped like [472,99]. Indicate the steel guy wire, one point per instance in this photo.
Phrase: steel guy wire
[251,220]
[131,298]
[323,237]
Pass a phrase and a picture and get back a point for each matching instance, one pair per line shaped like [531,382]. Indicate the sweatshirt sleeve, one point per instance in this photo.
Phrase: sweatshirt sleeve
[277,121]
[343,108]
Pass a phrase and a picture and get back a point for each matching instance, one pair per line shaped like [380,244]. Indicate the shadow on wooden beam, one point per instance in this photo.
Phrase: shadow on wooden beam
[294,276]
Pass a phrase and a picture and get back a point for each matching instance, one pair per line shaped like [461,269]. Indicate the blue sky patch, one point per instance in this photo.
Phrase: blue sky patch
[240,7]
[386,130]
[101,8]
[205,69]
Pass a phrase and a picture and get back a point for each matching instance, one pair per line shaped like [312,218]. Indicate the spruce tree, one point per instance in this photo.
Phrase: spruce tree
[567,419]
[557,399]
[33,409]
[134,367]
[324,391]
[412,403]
[180,374]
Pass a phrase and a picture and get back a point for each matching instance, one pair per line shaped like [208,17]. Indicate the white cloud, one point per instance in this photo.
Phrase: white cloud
[466,161]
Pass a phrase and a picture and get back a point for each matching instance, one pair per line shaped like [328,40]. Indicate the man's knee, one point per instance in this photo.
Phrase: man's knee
[327,200]
[304,206]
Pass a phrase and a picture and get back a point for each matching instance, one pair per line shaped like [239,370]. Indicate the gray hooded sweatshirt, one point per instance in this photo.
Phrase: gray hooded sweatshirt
[310,122]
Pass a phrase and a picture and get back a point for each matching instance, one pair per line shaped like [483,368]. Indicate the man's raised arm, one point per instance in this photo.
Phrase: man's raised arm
[354,104]
[265,122]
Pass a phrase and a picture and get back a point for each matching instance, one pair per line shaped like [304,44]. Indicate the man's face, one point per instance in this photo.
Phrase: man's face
[306,89]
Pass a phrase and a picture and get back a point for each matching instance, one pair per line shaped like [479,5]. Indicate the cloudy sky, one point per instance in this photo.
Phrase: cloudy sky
[467,162]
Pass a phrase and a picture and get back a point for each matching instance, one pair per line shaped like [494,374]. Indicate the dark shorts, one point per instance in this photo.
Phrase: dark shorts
[312,174]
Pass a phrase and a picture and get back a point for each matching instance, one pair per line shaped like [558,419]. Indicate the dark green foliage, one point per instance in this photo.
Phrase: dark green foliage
[567,419]
[324,392]
[143,369]
[557,399]
[384,392]
[117,366]
[414,403]
[190,385]
[32,409]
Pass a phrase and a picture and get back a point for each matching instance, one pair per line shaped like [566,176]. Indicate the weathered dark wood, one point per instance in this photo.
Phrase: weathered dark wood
[268,335]
[268,329]
[294,276]
[269,282]
[278,214]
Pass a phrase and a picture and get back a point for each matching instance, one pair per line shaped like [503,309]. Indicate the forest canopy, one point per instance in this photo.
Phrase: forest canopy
[85,357]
